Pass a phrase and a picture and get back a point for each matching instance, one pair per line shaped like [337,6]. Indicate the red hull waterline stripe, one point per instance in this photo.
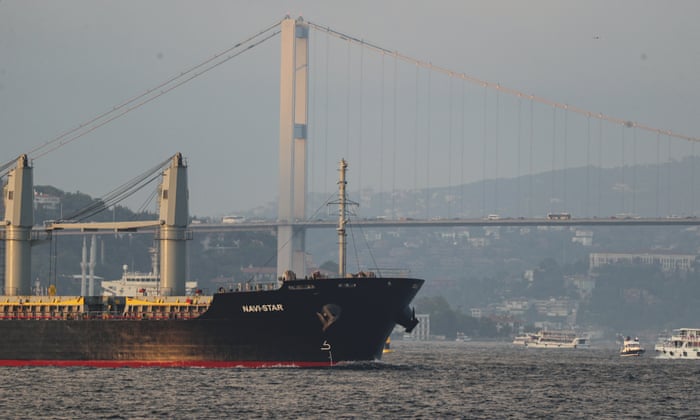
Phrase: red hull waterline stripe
[149,363]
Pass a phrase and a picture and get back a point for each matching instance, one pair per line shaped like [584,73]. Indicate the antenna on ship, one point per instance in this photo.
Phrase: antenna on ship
[342,218]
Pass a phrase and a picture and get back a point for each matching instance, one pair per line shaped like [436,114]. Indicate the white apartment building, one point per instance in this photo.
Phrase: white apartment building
[667,262]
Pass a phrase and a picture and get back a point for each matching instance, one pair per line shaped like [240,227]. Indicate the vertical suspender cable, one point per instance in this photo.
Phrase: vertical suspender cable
[588,166]
[565,167]
[476,81]
[624,186]
[554,155]
[427,156]
[394,151]
[520,155]
[668,177]
[325,139]
[692,179]
[532,141]
[461,160]
[634,170]
[483,158]
[415,145]
[496,133]
[347,107]
[658,171]
[381,140]
[360,111]
[449,154]
[600,164]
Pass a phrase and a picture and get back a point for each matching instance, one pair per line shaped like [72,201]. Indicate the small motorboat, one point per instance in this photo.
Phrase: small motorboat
[631,347]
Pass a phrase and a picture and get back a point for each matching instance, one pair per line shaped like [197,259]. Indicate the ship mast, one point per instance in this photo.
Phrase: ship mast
[342,219]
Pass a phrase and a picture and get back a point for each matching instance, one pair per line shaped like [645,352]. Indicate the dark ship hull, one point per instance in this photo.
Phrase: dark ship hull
[313,322]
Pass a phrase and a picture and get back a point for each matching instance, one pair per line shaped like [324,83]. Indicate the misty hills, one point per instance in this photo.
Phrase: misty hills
[667,189]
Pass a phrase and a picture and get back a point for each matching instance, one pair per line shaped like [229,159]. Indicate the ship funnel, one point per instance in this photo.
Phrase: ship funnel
[173,225]
[19,219]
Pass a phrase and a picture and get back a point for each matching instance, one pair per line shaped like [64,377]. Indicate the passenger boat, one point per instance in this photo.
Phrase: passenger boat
[524,339]
[297,321]
[557,339]
[684,343]
[631,347]
[132,283]
[135,283]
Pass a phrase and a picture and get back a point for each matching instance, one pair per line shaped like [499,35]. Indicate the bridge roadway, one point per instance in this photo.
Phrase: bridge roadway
[440,222]
[39,232]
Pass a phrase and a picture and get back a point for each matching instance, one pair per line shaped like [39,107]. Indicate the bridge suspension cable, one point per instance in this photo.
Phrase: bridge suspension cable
[120,193]
[5,167]
[498,87]
[161,89]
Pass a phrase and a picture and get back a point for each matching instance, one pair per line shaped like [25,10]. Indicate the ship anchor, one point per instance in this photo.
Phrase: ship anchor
[328,315]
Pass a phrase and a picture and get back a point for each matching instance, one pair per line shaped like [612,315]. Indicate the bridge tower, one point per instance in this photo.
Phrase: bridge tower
[173,228]
[294,78]
[19,219]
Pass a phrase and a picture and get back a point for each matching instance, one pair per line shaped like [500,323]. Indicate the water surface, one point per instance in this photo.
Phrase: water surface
[417,380]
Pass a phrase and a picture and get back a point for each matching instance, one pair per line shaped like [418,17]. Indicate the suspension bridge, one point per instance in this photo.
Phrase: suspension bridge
[429,145]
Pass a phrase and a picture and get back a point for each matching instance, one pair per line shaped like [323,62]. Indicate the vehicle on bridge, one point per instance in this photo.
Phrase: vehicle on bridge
[232,219]
[559,216]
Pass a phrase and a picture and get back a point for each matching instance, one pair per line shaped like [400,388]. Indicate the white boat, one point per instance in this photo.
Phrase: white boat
[134,283]
[684,343]
[631,347]
[557,339]
[524,339]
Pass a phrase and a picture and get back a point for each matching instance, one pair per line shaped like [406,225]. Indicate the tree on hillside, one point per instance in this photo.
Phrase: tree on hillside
[548,280]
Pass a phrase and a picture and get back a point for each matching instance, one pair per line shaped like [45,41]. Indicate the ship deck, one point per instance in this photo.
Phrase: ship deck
[102,307]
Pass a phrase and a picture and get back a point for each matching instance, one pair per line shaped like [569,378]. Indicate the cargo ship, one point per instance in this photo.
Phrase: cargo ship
[307,321]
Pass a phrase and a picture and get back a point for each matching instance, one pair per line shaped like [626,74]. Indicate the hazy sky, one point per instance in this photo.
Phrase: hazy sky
[64,62]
